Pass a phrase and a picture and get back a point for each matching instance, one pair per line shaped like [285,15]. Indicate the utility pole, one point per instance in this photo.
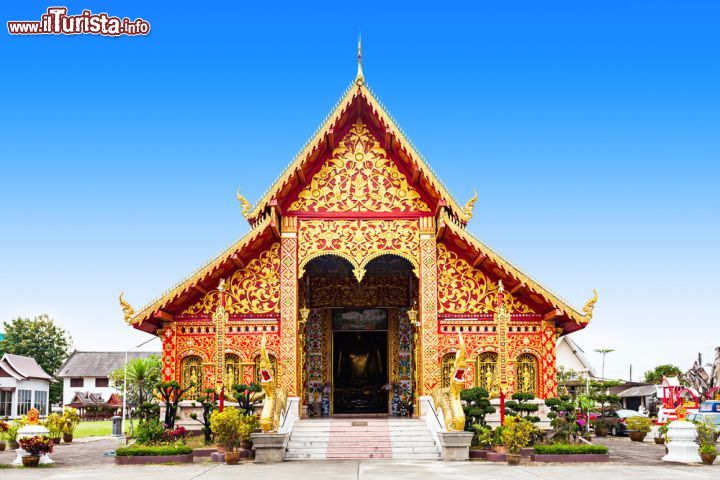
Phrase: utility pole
[604,352]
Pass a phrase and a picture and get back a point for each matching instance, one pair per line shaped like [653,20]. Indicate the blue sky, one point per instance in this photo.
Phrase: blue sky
[589,130]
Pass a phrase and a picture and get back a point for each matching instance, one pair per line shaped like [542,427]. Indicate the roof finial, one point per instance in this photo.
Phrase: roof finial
[360,78]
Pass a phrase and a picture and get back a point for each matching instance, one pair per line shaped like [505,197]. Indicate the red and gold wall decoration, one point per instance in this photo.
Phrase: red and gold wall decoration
[359,176]
[253,289]
[465,290]
[358,241]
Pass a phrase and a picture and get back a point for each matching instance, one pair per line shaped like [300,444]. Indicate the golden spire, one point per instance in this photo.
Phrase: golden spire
[468,208]
[243,203]
[360,78]
[590,306]
[127,309]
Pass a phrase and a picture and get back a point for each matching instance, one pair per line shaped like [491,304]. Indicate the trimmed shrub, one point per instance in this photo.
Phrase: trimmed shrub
[152,450]
[566,449]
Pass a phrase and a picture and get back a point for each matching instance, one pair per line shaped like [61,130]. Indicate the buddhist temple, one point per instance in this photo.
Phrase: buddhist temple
[360,275]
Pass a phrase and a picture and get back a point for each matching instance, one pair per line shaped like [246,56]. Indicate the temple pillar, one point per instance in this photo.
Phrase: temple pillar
[168,338]
[429,368]
[288,352]
[547,364]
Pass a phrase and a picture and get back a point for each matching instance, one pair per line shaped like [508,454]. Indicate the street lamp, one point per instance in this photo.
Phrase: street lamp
[125,375]
[604,352]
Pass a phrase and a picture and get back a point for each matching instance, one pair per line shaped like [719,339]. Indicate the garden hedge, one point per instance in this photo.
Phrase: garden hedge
[152,450]
[564,449]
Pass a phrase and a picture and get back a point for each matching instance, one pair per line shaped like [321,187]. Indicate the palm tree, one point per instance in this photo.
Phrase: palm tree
[143,373]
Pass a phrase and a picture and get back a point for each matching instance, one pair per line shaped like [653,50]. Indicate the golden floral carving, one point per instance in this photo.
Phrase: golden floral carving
[359,177]
[385,291]
[463,289]
[358,241]
[254,289]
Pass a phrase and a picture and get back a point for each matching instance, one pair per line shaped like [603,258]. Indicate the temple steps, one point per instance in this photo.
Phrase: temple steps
[359,438]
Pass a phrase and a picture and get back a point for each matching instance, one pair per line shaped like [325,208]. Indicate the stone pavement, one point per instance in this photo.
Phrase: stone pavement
[370,470]
[623,450]
[84,453]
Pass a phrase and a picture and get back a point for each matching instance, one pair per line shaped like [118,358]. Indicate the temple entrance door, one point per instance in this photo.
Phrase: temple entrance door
[360,362]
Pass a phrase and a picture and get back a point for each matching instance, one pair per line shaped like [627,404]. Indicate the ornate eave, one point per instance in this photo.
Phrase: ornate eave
[358,90]
[565,315]
[205,277]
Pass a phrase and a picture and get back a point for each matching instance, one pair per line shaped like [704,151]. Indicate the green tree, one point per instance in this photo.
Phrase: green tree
[655,375]
[143,378]
[477,405]
[41,339]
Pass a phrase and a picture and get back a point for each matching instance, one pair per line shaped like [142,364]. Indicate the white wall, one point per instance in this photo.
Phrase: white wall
[88,386]
[32,384]
[566,358]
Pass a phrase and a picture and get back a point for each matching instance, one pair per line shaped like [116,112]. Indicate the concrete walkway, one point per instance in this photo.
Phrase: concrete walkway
[371,470]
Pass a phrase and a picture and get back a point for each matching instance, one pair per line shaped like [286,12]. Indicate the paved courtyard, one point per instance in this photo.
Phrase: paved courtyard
[630,460]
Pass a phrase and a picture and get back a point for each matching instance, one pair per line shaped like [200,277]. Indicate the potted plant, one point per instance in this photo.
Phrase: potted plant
[4,427]
[706,438]
[638,427]
[54,423]
[516,434]
[71,419]
[228,429]
[35,447]
[661,435]
[601,427]
[248,424]
[498,445]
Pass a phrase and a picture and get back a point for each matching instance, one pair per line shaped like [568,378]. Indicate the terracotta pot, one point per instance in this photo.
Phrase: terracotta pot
[67,437]
[30,461]
[2,446]
[636,436]
[659,440]
[707,458]
[232,458]
[601,432]
[56,440]
[221,449]
[499,448]
[512,459]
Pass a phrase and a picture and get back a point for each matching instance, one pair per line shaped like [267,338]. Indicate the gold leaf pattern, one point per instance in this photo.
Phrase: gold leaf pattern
[359,177]
[358,241]
[463,289]
[254,289]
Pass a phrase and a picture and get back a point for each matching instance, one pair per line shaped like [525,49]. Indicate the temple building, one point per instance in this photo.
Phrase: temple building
[360,273]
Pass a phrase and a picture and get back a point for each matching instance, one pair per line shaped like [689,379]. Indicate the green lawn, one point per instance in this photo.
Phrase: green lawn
[97,428]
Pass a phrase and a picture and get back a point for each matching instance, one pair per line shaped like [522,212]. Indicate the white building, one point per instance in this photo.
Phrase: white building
[89,372]
[572,358]
[23,385]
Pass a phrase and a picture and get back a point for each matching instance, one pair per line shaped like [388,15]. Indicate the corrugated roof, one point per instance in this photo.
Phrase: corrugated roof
[26,367]
[97,364]
[639,391]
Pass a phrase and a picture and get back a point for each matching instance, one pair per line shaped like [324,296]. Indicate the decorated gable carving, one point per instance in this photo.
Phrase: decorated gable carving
[359,177]
[253,289]
[463,289]
[358,241]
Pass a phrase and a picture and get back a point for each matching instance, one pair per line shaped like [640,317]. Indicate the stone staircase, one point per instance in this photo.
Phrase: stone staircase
[362,438]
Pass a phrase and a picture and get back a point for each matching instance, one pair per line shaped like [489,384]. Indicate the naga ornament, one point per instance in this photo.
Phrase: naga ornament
[275,397]
[447,399]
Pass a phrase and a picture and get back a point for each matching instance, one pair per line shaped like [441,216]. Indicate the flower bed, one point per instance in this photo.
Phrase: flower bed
[140,454]
[570,453]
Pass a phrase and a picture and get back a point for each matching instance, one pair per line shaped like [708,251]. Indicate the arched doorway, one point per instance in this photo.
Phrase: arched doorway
[358,341]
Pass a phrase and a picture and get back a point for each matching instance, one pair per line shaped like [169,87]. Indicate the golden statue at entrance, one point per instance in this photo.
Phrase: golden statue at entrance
[447,399]
[275,397]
